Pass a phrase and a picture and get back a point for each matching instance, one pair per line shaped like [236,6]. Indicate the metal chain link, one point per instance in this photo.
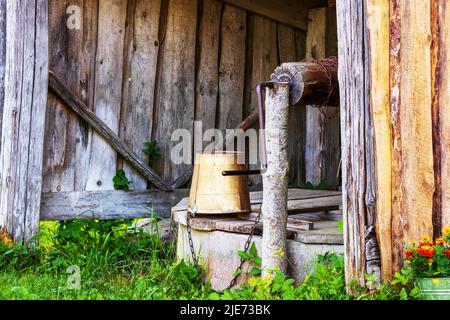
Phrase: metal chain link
[246,247]
[190,215]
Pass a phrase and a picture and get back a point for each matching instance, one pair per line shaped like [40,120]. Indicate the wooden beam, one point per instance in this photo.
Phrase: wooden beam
[24,103]
[291,12]
[104,131]
[105,205]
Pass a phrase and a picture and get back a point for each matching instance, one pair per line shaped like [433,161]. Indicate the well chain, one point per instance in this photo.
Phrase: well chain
[190,215]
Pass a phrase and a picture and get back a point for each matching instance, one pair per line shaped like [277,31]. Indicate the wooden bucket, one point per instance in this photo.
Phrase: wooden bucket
[213,193]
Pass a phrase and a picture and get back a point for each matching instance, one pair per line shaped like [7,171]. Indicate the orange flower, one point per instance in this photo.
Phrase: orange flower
[447,252]
[430,261]
[440,241]
[426,250]
[408,254]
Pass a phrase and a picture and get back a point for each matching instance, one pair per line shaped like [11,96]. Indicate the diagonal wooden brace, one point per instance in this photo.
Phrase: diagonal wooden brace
[78,106]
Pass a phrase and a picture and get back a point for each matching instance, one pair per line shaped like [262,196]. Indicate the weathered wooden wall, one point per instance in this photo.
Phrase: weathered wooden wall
[149,67]
[401,63]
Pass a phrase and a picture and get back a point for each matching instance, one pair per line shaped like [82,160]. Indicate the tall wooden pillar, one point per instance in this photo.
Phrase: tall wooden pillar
[357,136]
[23,26]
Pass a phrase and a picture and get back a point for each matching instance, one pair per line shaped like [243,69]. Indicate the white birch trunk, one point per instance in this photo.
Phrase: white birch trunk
[275,180]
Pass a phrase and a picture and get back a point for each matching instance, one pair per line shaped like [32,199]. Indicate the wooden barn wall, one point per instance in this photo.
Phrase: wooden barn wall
[149,67]
[409,65]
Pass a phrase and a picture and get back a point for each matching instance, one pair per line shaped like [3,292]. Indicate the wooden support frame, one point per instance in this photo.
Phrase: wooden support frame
[358,144]
[24,109]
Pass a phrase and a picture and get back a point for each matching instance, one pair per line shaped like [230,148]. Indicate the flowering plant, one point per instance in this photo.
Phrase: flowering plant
[428,259]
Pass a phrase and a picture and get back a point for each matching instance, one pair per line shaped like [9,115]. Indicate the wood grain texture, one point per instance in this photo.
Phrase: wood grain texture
[106,205]
[72,56]
[264,61]
[353,93]
[291,12]
[232,68]
[139,81]
[315,49]
[287,48]
[440,13]
[322,153]
[207,81]
[100,127]
[444,91]
[378,25]
[108,91]
[414,195]
[2,58]
[25,101]
[176,97]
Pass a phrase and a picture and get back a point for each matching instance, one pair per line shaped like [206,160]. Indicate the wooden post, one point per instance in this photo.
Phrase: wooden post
[358,177]
[275,179]
[25,101]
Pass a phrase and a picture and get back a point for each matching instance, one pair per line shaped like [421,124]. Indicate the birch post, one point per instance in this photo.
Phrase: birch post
[275,180]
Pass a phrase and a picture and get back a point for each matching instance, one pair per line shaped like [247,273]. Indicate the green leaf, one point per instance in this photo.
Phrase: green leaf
[255,271]
[253,251]
[244,255]
[257,261]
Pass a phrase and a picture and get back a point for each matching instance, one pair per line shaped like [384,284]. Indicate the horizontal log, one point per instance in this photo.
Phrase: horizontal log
[106,205]
[78,106]
[310,82]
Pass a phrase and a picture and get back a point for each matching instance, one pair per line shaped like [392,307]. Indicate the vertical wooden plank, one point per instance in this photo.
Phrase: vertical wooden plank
[378,26]
[232,67]
[2,58]
[322,154]
[21,153]
[297,125]
[207,86]
[412,197]
[264,61]
[441,112]
[315,49]
[139,80]
[72,57]
[176,97]
[286,43]
[435,110]
[351,33]
[331,132]
[108,85]
[289,51]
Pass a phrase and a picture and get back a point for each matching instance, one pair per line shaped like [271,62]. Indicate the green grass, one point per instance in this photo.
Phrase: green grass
[119,263]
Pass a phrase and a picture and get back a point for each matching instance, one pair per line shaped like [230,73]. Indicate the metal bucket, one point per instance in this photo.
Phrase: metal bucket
[214,193]
[434,288]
